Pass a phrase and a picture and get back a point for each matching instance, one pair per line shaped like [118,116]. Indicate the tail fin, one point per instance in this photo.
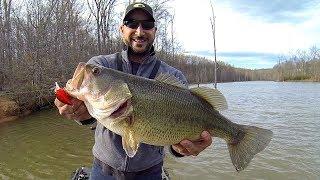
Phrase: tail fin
[247,144]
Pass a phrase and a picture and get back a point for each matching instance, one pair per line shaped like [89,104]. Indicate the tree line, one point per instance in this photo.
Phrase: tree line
[42,41]
[299,65]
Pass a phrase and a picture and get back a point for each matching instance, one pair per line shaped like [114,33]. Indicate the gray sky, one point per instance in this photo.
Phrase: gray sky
[249,33]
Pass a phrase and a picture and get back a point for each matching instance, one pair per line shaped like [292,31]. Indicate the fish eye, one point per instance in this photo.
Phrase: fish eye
[96,71]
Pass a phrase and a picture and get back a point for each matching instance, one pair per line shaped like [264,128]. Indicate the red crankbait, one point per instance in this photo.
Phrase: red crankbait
[62,95]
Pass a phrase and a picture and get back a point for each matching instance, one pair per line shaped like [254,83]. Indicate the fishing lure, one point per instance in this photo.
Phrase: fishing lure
[62,95]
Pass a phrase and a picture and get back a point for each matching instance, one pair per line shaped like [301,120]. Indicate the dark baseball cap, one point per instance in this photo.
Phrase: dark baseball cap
[139,5]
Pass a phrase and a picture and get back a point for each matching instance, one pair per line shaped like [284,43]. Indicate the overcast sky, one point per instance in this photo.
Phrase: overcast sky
[249,33]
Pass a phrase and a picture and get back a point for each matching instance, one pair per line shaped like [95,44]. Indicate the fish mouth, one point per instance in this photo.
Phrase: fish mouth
[73,85]
[122,109]
[78,76]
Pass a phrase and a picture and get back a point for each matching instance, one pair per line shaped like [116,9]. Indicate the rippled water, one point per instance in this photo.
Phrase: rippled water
[43,146]
[290,110]
[48,147]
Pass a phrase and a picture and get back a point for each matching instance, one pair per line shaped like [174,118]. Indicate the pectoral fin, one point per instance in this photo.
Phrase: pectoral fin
[129,143]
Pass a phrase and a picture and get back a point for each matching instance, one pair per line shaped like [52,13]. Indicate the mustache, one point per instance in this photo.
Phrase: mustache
[139,37]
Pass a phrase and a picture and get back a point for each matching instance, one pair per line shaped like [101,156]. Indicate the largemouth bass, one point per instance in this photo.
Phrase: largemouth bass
[161,112]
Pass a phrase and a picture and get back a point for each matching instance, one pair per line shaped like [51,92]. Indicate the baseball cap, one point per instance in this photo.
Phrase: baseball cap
[139,5]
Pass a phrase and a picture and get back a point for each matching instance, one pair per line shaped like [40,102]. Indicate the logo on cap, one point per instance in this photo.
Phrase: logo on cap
[139,6]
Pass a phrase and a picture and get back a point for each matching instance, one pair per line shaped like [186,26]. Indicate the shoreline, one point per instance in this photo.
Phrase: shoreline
[10,110]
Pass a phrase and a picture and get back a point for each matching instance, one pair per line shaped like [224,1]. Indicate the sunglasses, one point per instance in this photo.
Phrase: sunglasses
[134,24]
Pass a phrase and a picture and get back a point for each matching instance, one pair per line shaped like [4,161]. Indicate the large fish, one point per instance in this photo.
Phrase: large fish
[161,112]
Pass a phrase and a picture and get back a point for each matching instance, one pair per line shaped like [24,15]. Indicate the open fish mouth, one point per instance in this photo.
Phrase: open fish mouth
[122,109]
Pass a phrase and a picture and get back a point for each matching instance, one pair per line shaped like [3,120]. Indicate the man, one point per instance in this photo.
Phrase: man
[110,161]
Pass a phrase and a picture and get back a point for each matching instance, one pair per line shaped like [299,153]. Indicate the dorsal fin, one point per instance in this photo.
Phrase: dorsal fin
[212,96]
[170,79]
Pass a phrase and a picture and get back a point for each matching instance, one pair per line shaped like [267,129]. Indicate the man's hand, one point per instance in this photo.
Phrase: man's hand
[187,148]
[77,111]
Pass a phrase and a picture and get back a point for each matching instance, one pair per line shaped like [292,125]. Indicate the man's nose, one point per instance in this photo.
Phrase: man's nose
[140,30]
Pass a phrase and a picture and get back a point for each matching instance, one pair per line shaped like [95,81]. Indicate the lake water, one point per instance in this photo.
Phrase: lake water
[45,146]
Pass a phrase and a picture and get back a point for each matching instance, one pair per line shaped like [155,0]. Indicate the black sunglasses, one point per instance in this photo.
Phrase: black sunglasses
[134,24]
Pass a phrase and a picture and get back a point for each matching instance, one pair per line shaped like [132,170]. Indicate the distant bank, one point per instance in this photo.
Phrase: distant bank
[14,105]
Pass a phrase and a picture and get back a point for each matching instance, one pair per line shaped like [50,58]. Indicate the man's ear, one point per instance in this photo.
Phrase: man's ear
[121,29]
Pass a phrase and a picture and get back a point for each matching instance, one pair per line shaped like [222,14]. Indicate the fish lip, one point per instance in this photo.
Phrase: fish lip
[74,84]
[121,109]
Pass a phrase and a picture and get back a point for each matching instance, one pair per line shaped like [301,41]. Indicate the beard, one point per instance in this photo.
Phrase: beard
[132,50]
[145,52]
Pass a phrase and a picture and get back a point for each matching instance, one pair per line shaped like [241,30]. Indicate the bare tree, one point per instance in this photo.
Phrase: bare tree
[6,36]
[102,11]
[213,26]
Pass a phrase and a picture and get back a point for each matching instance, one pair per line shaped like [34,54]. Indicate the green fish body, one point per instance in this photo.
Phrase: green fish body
[162,112]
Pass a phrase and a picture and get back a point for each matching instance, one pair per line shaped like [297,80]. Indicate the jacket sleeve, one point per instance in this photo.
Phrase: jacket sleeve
[181,77]
[100,61]
[90,121]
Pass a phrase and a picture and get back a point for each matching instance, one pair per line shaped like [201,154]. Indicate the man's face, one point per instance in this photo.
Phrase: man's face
[139,39]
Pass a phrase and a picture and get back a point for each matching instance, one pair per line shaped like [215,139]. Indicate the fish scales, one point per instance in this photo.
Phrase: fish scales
[173,105]
[162,112]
